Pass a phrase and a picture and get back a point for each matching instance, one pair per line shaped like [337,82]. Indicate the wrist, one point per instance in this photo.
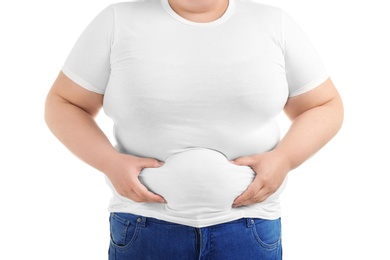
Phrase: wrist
[283,158]
[111,162]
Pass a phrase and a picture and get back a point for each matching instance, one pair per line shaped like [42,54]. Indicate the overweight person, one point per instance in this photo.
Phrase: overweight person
[193,89]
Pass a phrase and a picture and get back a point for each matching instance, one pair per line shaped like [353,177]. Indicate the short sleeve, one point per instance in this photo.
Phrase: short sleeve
[88,63]
[304,68]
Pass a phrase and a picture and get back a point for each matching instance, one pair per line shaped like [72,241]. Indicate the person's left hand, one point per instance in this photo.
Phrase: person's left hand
[271,169]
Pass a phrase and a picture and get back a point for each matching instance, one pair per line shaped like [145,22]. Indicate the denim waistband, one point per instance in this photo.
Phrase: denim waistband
[142,221]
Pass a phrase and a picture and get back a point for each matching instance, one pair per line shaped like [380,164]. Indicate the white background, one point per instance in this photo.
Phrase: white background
[55,207]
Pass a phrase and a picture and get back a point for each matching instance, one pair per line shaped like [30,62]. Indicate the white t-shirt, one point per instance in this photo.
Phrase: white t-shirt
[195,95]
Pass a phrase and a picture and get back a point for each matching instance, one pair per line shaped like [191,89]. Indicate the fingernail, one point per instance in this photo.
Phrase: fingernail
[161,163]
[232,162]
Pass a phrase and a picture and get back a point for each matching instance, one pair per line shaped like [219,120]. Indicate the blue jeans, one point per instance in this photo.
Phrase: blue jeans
[141,238]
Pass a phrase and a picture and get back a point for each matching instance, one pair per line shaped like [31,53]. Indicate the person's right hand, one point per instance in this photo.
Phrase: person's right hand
[123,174]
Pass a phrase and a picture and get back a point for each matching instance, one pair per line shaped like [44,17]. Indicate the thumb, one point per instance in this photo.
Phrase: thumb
[149,163]
[244,161]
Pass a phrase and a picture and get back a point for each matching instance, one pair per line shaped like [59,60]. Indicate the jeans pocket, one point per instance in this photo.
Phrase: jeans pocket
[123,230]
[267,233]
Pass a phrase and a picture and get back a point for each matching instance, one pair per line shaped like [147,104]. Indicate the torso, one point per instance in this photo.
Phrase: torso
[195,95]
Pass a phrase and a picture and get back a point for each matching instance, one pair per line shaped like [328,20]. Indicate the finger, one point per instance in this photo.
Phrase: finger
[260,197]
[248,195]
[145,195]
[244,161]
[149,163]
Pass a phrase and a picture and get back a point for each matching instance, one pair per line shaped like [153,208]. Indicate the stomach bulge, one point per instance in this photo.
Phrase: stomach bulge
[198,179]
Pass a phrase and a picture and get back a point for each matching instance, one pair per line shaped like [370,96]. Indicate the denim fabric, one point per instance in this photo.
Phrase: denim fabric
[141,238]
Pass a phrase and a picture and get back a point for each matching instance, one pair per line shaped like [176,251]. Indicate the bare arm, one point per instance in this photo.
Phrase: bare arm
[316,117]
[69,114]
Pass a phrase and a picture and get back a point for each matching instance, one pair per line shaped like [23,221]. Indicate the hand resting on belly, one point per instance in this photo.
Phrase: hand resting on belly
[198,179]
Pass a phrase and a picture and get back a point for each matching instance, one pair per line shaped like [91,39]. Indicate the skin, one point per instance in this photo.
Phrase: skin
[199,10]
[70,111]
[316,117]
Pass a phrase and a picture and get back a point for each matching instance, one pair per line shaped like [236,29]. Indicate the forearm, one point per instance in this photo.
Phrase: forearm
[310,131]
[78,131]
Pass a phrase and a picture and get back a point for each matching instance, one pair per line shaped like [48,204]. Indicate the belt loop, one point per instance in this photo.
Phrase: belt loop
[141,221]
[250,222]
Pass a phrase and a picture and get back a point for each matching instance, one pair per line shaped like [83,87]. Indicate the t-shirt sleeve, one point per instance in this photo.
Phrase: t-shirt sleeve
[304,68]
[88,63]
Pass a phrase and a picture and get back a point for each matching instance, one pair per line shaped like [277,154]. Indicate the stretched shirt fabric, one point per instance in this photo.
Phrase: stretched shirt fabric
[195,95]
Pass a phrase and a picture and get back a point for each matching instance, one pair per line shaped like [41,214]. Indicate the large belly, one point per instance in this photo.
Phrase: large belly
[198,179]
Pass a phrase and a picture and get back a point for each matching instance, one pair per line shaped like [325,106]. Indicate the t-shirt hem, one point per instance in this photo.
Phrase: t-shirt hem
[84,84]
[312,85]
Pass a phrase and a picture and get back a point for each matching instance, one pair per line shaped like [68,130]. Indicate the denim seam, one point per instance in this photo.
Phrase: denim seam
[211,234]
[120,219]
[266,246]
[134,237]
[197,242]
